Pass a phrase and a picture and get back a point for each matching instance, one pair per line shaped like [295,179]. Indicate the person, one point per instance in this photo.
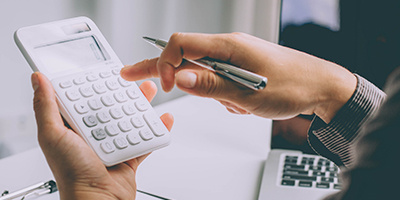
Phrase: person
[354,126]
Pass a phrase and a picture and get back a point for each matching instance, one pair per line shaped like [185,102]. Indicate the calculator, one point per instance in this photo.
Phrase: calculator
[111,114]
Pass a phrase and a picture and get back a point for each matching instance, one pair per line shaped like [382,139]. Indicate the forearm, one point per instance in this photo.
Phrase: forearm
[335,140]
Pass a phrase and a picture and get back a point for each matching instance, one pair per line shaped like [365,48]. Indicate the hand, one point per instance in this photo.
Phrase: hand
[298,83]
[293,130]
[79,173]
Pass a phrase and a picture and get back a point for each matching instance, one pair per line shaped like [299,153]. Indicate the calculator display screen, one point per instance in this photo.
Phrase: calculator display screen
[70,55]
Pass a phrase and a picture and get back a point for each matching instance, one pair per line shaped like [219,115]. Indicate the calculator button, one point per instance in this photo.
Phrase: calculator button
[123,82]
[146,134]
[99,134]
[116,113]
[133,138]
[65,84]
[72,95]
[92,77]
[142,105]
[90,121]
[105,74]
[107,147]
[94,104]
[79,80]
[116,71]
[99,88]
[81,108]
[103,117]
[125,126]
[86,91]
[154,123]
[112,129]
[133,94]
[137,121]
[129,109]
[107,100]
[120,97]
[112,84]
[120,142]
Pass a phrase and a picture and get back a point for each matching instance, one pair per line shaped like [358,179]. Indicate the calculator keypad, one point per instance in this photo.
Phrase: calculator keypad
[90,121]
[99,133]
[81,107]
[66,84]
[107,147]
[133,138]
[99,88]
[112,108]
[72,95]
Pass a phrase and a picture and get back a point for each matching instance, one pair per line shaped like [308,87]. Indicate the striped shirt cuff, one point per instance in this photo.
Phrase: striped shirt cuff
[336,139]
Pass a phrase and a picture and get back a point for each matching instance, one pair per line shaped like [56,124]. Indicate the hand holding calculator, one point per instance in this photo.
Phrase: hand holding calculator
[111,114]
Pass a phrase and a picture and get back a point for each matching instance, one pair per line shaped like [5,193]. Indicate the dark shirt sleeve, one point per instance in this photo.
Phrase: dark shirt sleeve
[335,140]
[373,173]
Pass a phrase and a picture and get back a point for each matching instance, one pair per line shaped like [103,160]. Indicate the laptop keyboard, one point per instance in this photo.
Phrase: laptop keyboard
[308,171]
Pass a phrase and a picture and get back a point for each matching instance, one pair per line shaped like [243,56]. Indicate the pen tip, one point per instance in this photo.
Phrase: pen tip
[149,39]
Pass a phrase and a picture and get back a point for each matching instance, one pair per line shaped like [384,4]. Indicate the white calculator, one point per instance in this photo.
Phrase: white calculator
[110,113]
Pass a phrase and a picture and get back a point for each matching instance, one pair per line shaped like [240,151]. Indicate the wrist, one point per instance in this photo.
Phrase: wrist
[85,195]
[338,87]
[78,191]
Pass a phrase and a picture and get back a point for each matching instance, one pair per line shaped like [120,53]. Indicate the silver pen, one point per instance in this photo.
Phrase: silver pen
[244,77]
[31,191]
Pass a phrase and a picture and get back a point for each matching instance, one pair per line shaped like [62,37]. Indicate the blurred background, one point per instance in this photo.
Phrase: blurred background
[123,23]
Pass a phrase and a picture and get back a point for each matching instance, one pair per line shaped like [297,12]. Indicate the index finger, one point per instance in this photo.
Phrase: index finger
[181,45]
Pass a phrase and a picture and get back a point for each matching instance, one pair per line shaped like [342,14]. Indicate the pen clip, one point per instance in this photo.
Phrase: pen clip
[252,85]
[244,77]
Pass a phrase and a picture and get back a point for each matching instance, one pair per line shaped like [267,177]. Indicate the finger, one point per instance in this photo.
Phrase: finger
[141,70]
[234,107]
[191,46]
[47,114]
[149,90]
[195,46]
[206,83]
[228,107]
[233,111]
[167,75]
[168,120]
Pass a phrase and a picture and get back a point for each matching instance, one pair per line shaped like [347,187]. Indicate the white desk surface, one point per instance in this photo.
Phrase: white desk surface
[213,155]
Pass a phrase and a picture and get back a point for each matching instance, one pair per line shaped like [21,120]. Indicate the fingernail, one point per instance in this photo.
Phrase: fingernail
[186,79]
[35,81]
[126,67]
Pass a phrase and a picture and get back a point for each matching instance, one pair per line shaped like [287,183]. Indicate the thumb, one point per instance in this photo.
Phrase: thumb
[48,118]
[206,84]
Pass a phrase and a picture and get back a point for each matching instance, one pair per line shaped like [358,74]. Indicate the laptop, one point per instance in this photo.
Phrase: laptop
[289,173]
